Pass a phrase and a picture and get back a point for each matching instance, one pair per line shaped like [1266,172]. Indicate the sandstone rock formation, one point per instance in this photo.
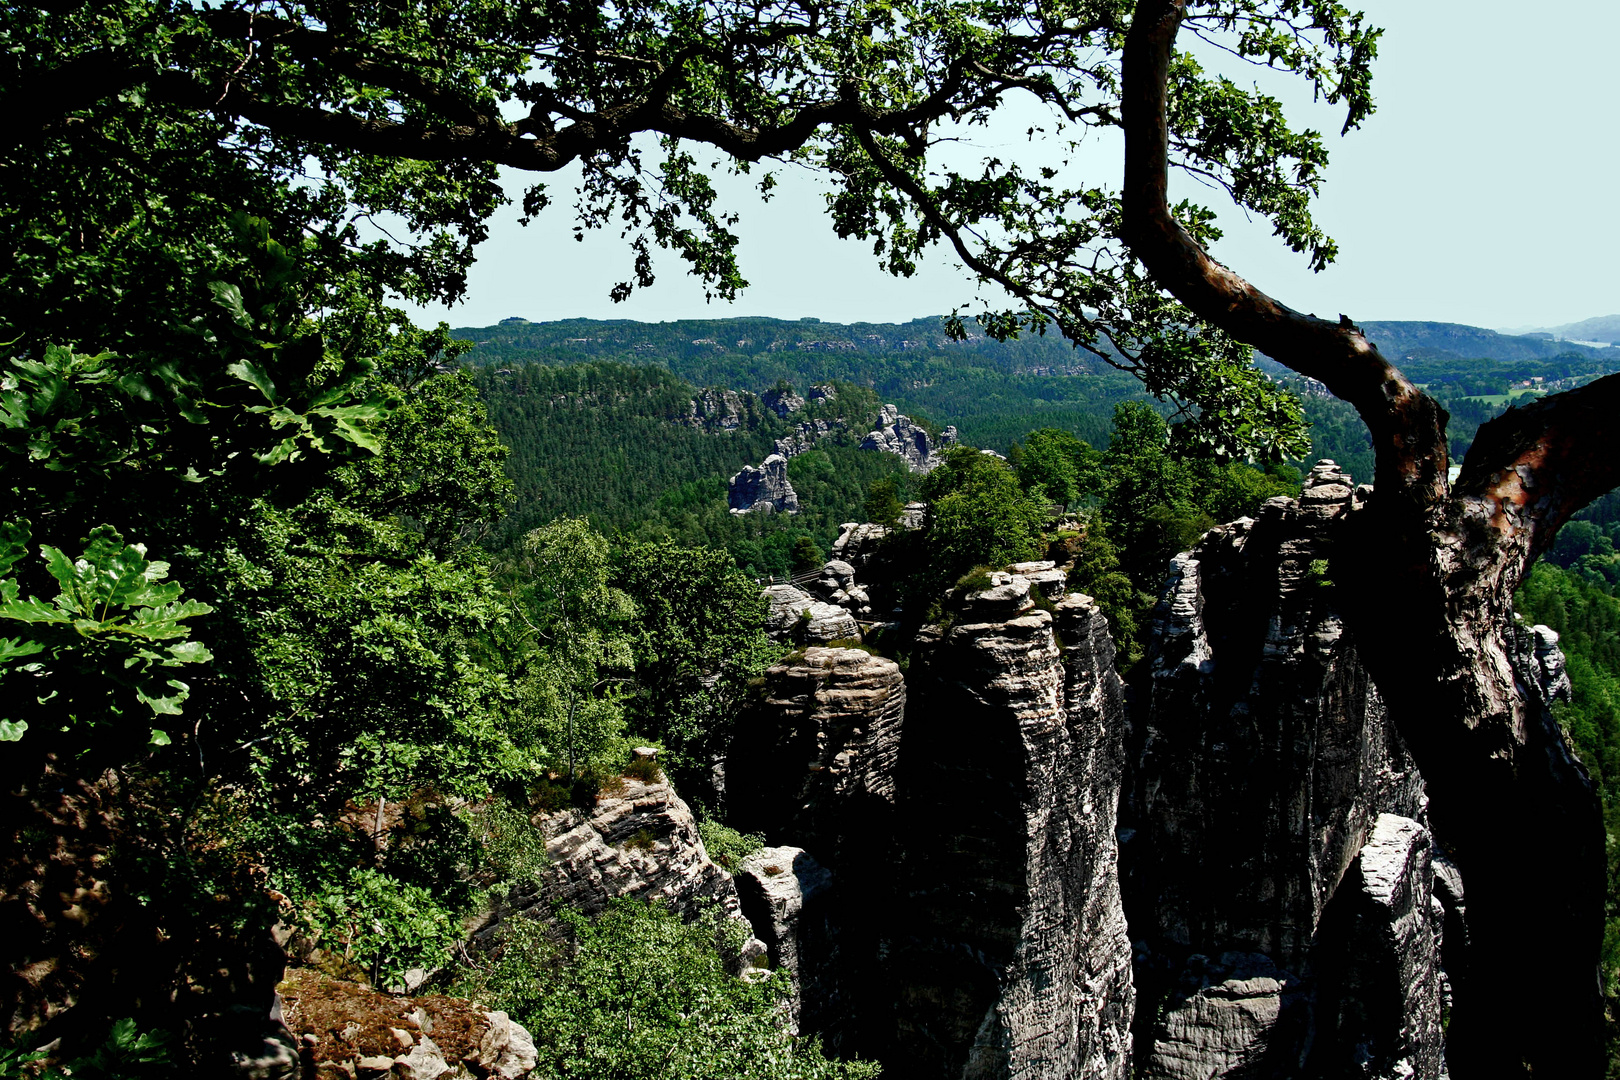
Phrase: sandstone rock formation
[346,1031]
[837,585]
[972,926]
[1263,761]
[783,892]
[1016,944]
[896,434]
[717,409]
[782,402]
[857,542]
[764,489]
[817,758]
[640,841]
[806,435]
[798,618]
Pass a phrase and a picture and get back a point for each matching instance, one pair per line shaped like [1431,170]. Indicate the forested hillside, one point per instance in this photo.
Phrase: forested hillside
[992,391]
[592,410]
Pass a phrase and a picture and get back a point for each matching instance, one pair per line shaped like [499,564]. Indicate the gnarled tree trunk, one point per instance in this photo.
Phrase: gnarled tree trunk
[1429,570]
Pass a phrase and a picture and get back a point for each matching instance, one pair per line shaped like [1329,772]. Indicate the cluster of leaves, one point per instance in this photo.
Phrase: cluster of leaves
[127,1053]
[725,845]
[636,992]
[98,659]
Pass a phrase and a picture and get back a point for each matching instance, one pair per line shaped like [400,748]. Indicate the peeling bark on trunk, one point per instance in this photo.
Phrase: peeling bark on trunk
[1430,572]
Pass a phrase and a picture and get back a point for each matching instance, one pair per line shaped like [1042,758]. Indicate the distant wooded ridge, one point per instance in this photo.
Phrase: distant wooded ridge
[696,340]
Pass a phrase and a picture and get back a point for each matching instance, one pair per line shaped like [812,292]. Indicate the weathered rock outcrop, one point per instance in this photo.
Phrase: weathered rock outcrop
[782,402]
[1015,945]
[897,434]
[717,409]
[798,618]
[346,1030]
[837,585]
[857,542]
[641,842]
[817,758]
[973,925]
[1262,763]
[764,489]
[806,435]
[783,892]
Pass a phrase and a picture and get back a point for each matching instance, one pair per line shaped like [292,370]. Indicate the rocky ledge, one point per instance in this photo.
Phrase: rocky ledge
[638,841]
[346,1031]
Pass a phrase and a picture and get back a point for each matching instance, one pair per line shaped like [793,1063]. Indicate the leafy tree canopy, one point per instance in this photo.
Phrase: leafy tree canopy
[406,111]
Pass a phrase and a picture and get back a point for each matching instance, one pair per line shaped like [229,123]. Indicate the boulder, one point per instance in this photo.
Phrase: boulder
[797,617]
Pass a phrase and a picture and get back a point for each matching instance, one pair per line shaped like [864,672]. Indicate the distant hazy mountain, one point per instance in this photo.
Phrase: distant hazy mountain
[1602,328]
[1405,340]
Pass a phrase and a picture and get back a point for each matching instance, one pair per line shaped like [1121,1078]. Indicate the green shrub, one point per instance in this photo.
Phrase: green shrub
[383,926]
[676,1011]
[549,795]
[644,769]
[975,580]
[127,1054]
[514,850]
[726,846]
[642,840]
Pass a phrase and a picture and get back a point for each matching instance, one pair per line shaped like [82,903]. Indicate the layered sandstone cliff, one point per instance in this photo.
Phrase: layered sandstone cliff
[1264,765]
[969,922]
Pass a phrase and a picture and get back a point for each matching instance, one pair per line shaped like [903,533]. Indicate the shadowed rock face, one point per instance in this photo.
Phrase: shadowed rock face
[1262,763]
[817,759]
[1014,945]
[967,815]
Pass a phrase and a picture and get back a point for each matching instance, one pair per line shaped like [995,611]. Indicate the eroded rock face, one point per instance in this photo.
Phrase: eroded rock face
[784,892]
[806,435]
[1378,988]
[640,842]
[816,759]
[1262,763]
[764,489]
[897,434]
[1014,948]
[857,542]
[967,814]
[782,402]
[717,409]
[837,585]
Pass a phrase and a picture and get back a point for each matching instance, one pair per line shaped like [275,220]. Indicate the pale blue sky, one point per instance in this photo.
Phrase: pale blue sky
[1483,191]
